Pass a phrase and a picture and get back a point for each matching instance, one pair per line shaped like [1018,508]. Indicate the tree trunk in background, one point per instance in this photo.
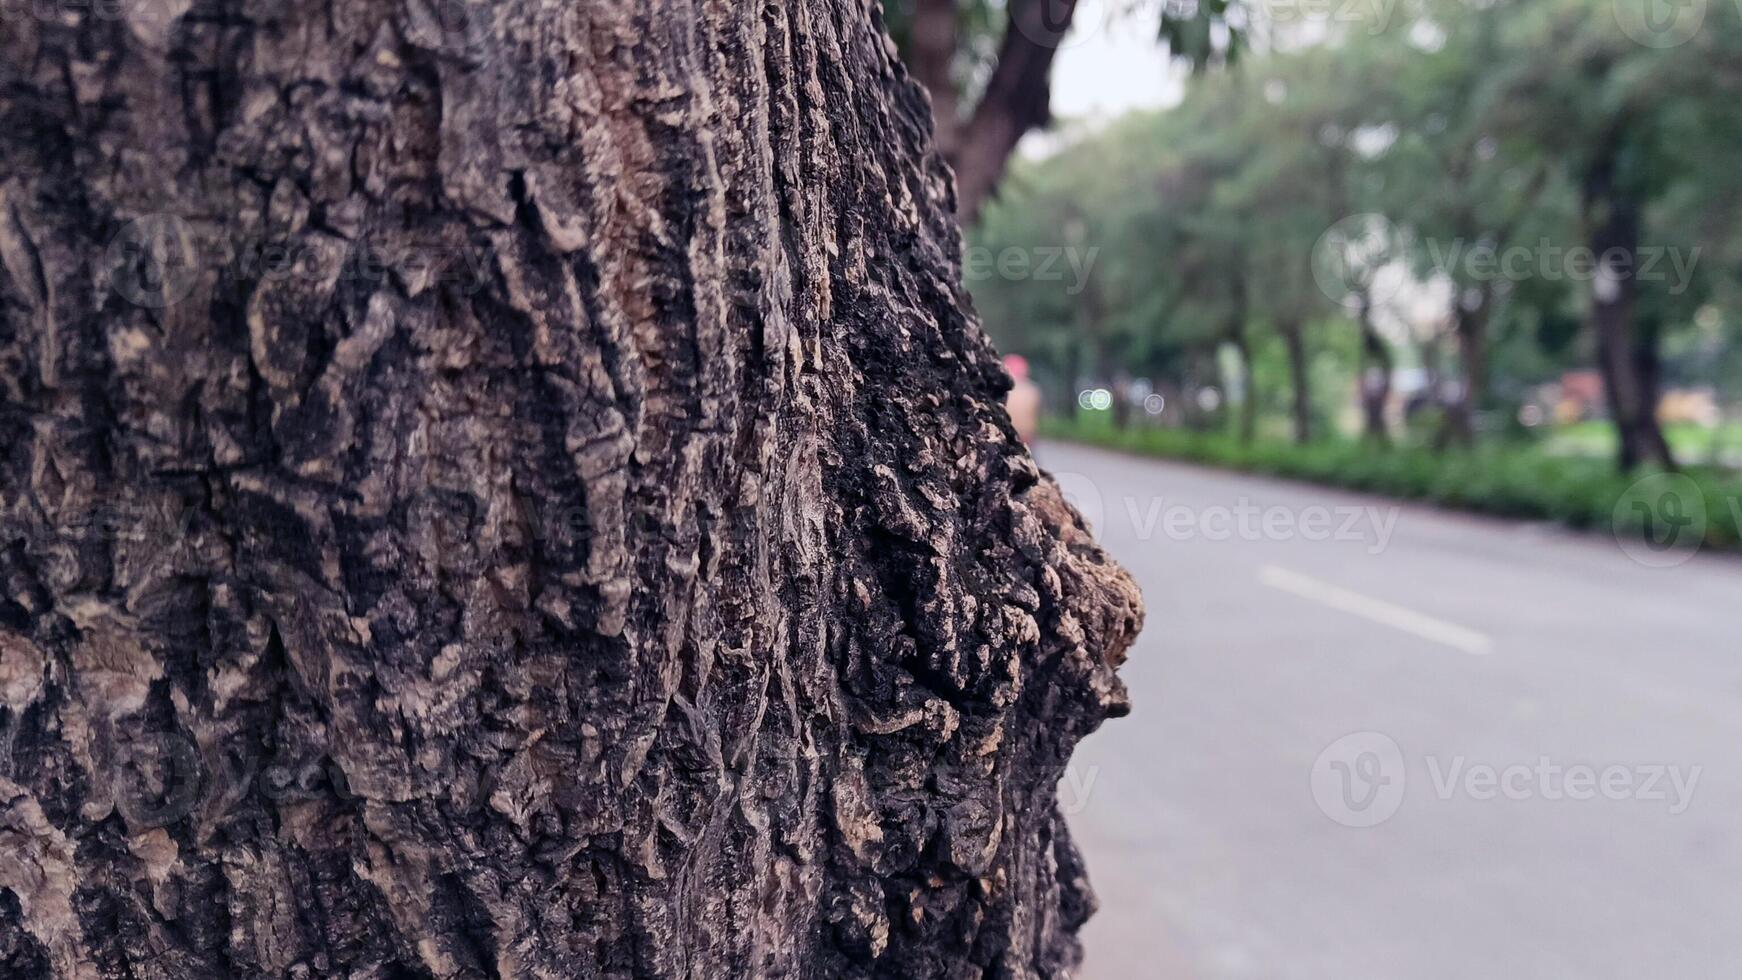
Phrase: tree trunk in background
[1626,355]
[1017,99]
[1121,408]
[1242,345]
[1375,375]
[514,490]
[1470,324]
[1068,406]
[1715,449]
[1293,337]
[1248,422]
[933,38]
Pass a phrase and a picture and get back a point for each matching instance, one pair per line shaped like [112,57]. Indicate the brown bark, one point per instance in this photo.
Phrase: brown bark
[515,490]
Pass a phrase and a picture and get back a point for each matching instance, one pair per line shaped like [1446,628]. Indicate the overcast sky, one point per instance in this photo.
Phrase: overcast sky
[1111,64]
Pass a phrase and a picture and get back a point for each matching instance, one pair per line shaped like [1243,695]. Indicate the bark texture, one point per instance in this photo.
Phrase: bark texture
[515,490]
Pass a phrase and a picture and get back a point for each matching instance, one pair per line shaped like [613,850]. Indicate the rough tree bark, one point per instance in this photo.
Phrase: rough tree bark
[515,490]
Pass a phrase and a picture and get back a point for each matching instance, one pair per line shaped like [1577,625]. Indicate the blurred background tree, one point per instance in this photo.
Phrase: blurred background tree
[986,65]
[1431,221]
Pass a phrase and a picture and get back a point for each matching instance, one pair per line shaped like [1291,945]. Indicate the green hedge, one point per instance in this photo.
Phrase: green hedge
[1509,481]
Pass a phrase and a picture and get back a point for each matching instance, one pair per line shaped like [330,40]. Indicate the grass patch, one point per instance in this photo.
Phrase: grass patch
[1687,441]
[1504,480]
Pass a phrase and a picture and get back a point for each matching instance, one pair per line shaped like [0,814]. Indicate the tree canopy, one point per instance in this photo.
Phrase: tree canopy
[1489,194]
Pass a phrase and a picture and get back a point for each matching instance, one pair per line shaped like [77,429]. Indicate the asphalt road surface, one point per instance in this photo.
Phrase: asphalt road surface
[1374,742]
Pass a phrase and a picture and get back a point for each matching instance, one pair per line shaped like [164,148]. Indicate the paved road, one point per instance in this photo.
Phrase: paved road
[1518,686]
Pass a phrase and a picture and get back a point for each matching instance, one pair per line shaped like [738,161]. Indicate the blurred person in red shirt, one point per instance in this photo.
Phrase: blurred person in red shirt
[1023,402]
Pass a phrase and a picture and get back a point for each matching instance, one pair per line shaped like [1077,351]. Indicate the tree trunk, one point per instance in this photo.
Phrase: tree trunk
[933,37]
[1470,324]
[514,490]
[1299,372]
[1243,347]
[1626,355]
[1121,388]
[1073,378]
[1715,449]
[1018,98]
[1375,375]
[1248,419]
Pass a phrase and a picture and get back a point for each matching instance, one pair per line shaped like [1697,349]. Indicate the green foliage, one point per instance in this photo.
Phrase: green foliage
[1205,33]
[980,24]
[1503,480]
[1508,127]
